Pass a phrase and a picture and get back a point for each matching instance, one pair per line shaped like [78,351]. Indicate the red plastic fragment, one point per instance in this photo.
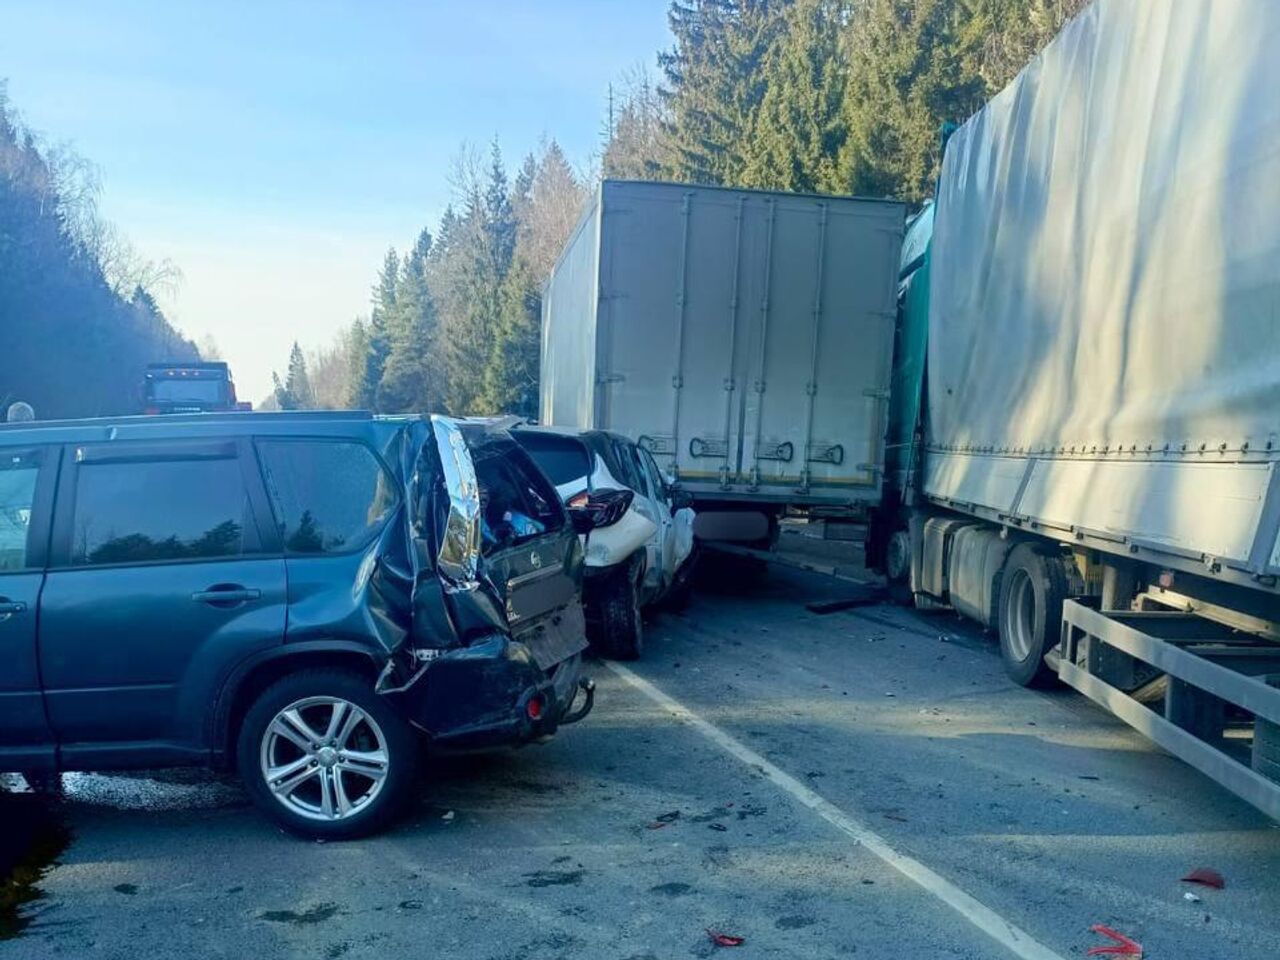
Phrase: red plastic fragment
[1206,877]
[1124,946]
[725,939]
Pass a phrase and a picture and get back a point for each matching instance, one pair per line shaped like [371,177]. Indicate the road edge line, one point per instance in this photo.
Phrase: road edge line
[978,914]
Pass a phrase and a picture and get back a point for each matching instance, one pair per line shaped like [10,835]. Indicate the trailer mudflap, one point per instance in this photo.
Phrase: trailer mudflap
[1215,703]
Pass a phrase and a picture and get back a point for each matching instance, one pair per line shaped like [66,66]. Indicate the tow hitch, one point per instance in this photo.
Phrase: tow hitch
[588,687]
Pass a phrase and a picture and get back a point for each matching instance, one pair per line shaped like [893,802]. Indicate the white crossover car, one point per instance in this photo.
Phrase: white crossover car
[639,559]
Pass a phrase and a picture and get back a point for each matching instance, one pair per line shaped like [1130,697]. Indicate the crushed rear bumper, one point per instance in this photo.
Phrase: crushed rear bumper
[492,693]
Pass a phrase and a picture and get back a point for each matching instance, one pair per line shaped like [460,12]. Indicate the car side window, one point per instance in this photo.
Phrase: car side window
[18,472]
[516,502]
[328,496]
[653,473]
[627,465]
[648,487]
[148,511]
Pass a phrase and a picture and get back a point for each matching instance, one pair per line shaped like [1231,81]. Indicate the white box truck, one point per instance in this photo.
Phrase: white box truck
[1096,468]
[744,337]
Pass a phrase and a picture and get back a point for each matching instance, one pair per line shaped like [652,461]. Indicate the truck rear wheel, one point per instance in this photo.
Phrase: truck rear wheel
[1032,588]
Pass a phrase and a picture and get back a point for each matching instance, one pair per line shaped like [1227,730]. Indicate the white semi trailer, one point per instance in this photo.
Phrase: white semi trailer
[1091,463]
[744,337]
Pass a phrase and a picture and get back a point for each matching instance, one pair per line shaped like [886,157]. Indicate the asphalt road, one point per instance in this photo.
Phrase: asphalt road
[861,783]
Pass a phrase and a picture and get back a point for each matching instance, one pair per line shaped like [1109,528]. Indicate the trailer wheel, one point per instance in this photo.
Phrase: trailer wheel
[1032,588]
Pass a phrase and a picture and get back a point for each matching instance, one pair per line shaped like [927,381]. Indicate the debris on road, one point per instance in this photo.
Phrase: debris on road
[1206,877]
[1190,897]
[1123,947]
[448,816]
[725,939]
[865,599]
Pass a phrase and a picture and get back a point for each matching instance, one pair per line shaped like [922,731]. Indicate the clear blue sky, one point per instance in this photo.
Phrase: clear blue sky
[274,150]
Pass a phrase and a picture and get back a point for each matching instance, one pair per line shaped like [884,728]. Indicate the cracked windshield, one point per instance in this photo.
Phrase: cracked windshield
[639,479]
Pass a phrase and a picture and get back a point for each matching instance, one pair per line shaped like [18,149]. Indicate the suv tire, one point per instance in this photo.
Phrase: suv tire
[351,778]
[621,624]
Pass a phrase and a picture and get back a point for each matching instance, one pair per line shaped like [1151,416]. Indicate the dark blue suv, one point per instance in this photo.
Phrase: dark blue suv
[302,596]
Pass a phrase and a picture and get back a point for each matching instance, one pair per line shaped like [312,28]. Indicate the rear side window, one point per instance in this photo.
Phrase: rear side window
[652,472]
[622,464]
[327,496]
[145,511]
[562,459]
[632,452]
[18,472]
[516,502]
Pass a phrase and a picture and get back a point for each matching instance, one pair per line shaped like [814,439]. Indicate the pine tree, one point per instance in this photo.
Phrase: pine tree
[714,83]
[409,378]
[511,375]
[500,217]
[482,244]
[381,323]
[360,392]
[906,78]
[297,383]
[284,398]
[797,135]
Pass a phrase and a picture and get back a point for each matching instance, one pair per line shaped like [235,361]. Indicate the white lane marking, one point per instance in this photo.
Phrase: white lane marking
[1013,938]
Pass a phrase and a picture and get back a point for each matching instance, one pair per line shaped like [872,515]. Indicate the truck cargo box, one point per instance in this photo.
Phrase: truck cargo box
[744,337]
[1104,301]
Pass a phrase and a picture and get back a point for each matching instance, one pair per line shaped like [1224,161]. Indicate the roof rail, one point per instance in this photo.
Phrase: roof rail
[273,416]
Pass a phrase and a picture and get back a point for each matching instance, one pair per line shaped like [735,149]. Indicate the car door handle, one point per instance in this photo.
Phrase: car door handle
[10,607]
[226,596]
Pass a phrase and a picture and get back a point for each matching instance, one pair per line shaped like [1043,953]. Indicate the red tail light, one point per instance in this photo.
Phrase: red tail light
[580,499]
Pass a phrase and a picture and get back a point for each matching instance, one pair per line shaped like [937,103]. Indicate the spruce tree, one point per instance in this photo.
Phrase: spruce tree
[360,391]
[511,375]
[799,130]
[409,380]
[906,78]
[297,383]
[715,83]
[382,320]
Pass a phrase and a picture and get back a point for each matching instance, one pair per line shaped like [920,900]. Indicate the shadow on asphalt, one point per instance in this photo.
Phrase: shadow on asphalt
[33,836]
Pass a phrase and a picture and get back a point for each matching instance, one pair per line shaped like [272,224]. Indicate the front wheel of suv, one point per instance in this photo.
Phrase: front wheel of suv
[322,754]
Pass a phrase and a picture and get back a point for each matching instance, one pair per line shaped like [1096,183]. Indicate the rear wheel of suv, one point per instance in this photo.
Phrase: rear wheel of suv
[621,625]
[325,756]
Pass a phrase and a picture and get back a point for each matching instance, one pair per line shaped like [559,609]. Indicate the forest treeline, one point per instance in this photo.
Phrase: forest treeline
[831,96]
[71,288]
[838,96]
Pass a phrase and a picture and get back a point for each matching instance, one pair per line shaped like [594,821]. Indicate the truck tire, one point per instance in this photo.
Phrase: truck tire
[344,762]
[897,567]
[1032,588]
[621,631]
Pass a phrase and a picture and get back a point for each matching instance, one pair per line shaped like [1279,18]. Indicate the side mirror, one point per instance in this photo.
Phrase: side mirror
[599,508]
[680,499]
